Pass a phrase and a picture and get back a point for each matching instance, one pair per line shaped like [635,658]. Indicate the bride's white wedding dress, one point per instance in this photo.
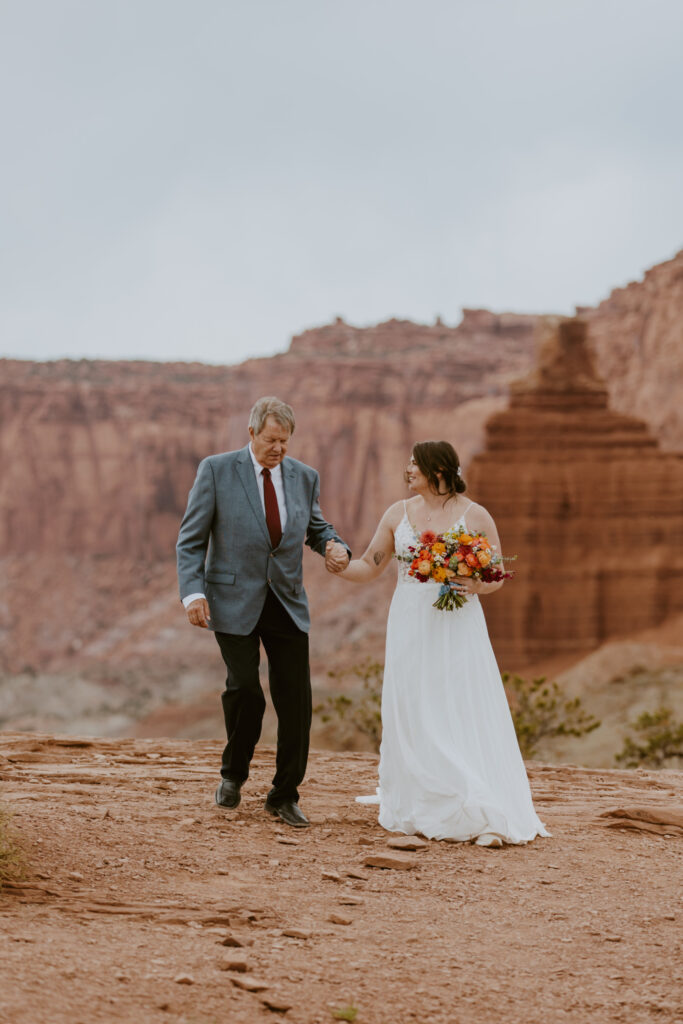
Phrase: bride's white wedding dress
[450,765]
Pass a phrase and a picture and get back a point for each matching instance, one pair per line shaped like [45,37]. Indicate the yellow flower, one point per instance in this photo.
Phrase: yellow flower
[440,574]
[438,548]
[465,538]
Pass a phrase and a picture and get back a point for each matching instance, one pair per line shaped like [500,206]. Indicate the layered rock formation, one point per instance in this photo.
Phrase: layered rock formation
[637,336]
[587,500]
[98,457]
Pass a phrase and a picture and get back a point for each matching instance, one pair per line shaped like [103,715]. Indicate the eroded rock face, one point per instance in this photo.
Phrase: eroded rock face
[98,457]
[589,503]
[637,336]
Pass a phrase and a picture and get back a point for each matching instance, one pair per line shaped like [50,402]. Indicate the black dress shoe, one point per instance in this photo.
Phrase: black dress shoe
[228,793]
[289,812]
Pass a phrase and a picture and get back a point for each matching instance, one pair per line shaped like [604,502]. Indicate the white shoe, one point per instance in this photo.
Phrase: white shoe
[488,839]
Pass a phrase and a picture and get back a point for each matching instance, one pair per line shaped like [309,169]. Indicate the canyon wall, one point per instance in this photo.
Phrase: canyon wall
[588,501]
[96,460]
[637,337]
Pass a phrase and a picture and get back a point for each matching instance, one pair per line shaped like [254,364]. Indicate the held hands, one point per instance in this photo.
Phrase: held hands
[336,557]
[198,613]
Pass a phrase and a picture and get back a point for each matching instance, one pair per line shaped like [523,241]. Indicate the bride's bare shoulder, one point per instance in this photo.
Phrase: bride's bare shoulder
[478,516]
[394,514]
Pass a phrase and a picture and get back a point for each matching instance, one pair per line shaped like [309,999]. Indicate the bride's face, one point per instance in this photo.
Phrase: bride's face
[415,478]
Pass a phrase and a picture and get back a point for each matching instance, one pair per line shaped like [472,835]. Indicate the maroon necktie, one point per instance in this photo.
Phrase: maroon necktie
[272,509]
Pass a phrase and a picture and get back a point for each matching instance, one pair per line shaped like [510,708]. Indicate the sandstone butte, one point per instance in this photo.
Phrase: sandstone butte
[97,459]
[591,505]
[135,880]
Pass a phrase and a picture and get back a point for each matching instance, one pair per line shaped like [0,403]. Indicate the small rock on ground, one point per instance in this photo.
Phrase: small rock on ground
[390,860]
[235,963]
[249,984]
[407,843]
[277,1003]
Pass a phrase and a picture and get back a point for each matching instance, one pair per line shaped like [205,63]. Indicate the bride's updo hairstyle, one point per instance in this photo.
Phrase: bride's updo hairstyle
[434,457]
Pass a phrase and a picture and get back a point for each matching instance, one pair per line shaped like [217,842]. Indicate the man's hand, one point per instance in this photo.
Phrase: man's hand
[198,613]
[336,557]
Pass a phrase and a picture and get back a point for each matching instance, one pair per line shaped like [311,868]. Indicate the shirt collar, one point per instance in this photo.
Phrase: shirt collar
[258,468]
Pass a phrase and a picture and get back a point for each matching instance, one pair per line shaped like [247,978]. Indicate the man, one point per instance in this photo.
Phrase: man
[240,551]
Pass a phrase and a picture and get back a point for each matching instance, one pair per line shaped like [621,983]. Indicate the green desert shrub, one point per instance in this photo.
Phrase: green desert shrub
[657,741]
[540,711]
[360,710]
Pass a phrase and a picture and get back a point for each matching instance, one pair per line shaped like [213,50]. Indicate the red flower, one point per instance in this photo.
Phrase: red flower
[427,538]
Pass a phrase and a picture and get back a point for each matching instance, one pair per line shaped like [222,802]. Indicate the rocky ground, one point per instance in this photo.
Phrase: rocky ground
[143,902]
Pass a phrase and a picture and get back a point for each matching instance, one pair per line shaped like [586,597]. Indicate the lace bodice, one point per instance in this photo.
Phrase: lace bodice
[405,538]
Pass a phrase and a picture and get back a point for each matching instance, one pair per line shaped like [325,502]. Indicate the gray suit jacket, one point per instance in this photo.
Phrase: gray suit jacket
[224,548]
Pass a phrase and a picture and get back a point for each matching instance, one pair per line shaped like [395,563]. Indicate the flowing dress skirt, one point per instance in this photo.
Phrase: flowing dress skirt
[450,765]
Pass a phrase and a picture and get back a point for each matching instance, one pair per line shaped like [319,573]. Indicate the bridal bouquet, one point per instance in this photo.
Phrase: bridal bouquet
[442,558]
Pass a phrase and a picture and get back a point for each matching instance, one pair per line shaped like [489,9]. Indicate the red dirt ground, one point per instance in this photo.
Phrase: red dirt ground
[136,880]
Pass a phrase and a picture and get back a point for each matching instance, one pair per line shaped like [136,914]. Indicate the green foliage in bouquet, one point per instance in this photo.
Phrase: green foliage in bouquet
[361,709]
[541,711]
[658,743]
[11,860]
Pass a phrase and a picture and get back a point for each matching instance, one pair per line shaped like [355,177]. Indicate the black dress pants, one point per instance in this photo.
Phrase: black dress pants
[244,703]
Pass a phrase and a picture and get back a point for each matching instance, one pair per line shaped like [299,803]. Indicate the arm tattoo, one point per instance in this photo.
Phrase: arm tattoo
[378,557]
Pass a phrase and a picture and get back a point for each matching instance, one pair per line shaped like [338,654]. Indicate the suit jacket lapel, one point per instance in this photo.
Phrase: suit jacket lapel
[288,477]
[246,473]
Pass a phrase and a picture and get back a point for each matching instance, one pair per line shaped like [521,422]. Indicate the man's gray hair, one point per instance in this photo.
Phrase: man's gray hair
[271,406]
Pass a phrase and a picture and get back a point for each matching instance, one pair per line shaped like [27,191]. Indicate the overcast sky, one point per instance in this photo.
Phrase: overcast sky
[200,179]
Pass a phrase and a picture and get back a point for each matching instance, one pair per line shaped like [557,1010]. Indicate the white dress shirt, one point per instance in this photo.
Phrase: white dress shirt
[276,477]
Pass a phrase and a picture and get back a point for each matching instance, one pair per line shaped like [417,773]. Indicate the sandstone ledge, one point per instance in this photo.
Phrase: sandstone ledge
[136,878]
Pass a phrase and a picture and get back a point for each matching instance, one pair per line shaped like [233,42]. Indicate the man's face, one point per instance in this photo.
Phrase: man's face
[270,446]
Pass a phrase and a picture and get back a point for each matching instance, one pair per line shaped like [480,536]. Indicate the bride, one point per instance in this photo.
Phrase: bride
[450,766]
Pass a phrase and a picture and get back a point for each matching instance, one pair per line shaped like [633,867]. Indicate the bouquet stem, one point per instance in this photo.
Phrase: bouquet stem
[449,599]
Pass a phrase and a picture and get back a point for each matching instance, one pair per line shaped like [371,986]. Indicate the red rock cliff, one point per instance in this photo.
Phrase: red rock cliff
[587,500]
[96,458]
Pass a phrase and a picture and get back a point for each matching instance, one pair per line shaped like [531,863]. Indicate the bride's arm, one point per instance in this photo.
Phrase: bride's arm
[480,521]
[379,552]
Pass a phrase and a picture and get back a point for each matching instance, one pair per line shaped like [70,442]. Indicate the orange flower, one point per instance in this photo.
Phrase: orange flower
[472,560]
[464,570]
[485,557]
[438,549]
[424,567]
[427,538]
[465,538]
